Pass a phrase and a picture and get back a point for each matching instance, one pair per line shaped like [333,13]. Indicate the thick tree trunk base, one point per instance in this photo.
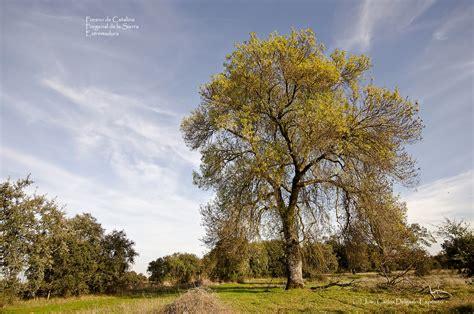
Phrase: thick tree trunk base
[290,284]
[294,267]
[294,263]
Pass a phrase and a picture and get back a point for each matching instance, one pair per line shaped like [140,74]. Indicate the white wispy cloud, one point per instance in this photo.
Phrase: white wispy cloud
[447,197]
[444,66]
[115,118]
[374,18]
[97,99]
[451,197]
[453,76]
[458,20]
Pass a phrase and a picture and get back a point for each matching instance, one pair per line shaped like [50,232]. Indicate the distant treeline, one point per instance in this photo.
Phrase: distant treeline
[44,253]
[237,259]
[254,260]
[262,259]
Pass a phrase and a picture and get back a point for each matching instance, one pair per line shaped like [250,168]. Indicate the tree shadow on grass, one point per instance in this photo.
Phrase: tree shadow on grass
[152,292]
[246,289]
[264,283]
[160,291]
[464,308]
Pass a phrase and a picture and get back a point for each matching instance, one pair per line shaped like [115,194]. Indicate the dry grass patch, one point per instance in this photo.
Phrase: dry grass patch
[196,300]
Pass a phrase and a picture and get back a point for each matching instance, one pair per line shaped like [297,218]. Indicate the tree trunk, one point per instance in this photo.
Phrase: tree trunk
[294,263]
[294,266]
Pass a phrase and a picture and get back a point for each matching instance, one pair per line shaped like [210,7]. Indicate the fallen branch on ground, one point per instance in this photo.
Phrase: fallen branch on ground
[331,284]
[439,294]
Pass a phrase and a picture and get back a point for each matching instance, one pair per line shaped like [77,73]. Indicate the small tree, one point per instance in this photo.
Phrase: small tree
[276,258]
[158,270]
[134,279]
[318,258]
[458,246]
[30,229]
[76,266]
[401,249]
[356,248]
[17,217]
[184,267]
[258,263]
[117,256]
[377,225]
[178,268]
[228,259]
[50,232]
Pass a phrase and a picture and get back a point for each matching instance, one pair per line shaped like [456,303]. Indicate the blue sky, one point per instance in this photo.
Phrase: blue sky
[95,120]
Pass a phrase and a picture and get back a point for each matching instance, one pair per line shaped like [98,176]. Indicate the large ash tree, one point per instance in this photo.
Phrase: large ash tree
[290,136]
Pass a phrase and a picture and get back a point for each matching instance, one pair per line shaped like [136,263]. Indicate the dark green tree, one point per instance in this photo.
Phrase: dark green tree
[258,261]
[117,256]
[50,230]
[318,258]
[29,228]
[184,267]
[56,256]
[177,268]
[158,270]
[276,258]
[135,280]
[458,245]
[77,270]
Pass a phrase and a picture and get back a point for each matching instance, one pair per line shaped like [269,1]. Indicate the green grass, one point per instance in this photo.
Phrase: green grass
[269,296]
[93,304]
[255,298]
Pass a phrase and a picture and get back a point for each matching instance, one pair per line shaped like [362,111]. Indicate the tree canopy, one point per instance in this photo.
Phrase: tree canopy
[176,268]
[458,245]
[44,253]
[289,133]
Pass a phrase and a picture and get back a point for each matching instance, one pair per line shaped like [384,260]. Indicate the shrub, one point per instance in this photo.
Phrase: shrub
[178,268]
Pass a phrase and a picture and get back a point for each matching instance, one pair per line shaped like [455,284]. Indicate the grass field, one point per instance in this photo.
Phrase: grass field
[268,296]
